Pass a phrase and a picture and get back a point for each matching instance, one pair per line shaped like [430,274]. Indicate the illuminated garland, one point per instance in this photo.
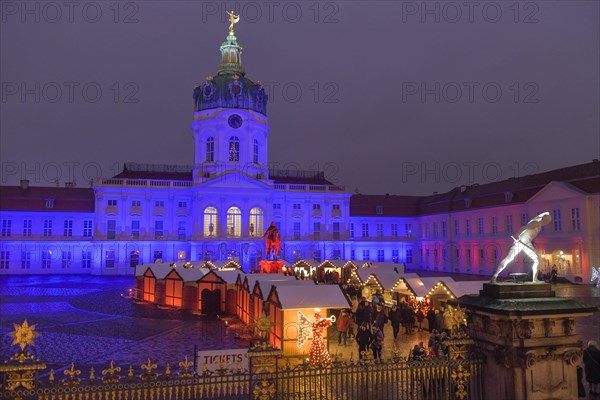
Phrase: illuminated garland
[317,354]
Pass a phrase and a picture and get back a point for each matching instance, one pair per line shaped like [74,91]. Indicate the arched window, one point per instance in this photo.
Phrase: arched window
[210,221]
[234,148]
[255,153]
[210,149]
[256,222]
[234,222]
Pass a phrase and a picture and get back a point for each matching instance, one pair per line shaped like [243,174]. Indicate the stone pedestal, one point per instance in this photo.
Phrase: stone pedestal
[529,339]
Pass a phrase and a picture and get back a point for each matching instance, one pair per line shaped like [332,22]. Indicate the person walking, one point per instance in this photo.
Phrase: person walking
[377,344]
[431,319]
[591,363]
[379,318]
[396,319]
[364,338]
[343,324]
[419,316]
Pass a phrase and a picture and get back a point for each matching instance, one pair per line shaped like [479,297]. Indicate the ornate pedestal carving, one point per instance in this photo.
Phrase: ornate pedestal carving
[529,338]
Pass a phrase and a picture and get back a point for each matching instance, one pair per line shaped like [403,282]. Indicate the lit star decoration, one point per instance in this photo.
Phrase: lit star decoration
[317,354]
[23,335]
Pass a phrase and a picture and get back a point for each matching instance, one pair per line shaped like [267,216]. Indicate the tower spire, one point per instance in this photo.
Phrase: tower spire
[231,51]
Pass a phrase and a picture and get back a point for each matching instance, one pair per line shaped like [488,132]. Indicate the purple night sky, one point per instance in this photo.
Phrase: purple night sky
[369,74]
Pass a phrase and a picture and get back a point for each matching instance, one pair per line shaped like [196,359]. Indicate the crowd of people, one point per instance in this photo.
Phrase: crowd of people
[365,324]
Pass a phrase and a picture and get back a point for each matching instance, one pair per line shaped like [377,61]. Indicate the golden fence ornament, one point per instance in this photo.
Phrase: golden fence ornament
[186,365]
[22,368]
[264,390]
[71,374]
[461,377]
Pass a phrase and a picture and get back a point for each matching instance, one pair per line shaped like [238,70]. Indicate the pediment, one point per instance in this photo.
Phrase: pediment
[235,180]
[556,191]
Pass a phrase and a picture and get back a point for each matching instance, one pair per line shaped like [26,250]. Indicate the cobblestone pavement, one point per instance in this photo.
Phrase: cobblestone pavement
[86,320]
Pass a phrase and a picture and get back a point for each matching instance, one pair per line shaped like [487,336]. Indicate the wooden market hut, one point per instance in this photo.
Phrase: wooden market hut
[285,302]
[330,267]
[446,289]
[305,268]
[385,266]
[347,269]
[245,297]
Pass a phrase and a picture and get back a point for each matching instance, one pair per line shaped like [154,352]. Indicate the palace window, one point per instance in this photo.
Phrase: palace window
[317,231]
[575,224]
[380,255]
[158,255]
[159,204]
[366,255]
[234,148]
[297,232]
[256,222]
[135,229]
[111,229]
[494,226]
[182,204]
[158,230]
[336,254]
[365,230]
[134,258]
[210,221]
[352,230]
[234,222]
[86,259]
[4,259]
[379,230]
[456,228]
[276,206]
[27,228]
[210,149]
[316,206]
[317,255]
[509,225]
[394,230]
[112,203]
[396,256]
[297,206]
[444,229]
[49,203]
[408,230]
[336,230]
[109,259]
[352,254]
[47,227]
[557,220]
[181,228]
[6,225]
[434,228]
[25,260]
[68,228]
[66,259]
[136,203]
[524,219]
[379,210]
[255,152]
[467,227]
[480,224]
[87,228]
[46,259]
[336,207]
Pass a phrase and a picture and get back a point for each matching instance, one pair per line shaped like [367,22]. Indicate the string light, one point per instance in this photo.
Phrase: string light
[317,353]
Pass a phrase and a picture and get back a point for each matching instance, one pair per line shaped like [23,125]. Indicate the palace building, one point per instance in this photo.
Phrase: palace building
[219,208]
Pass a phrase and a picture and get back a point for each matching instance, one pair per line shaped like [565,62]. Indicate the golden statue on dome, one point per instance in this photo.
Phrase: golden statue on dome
[233,19]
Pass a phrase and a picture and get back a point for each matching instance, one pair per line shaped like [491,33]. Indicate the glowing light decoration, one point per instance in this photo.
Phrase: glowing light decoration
[596,276]
[318,354]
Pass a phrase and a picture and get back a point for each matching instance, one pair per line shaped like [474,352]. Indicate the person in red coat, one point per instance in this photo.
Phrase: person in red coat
[343,324]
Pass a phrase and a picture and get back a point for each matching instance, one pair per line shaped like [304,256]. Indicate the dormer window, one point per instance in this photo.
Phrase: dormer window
[49,203]
[379,210]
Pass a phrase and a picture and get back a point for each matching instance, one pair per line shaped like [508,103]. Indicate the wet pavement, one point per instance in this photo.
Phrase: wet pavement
[89,321]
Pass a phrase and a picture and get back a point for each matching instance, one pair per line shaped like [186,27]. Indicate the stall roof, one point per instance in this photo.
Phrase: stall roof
[230,276]
[430,282]
[336,263]
[226,263]
[311,296]
[161,270]
[417,286]
[252,278]
[459,289]
[386,266]
[310,261]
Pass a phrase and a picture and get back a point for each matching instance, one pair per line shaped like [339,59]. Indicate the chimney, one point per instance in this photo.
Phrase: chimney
[69,184]
[24,184]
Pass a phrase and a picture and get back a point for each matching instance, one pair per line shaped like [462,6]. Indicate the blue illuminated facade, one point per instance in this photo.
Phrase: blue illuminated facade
[219,208]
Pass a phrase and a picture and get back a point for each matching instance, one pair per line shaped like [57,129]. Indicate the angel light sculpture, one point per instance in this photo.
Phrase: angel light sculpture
[318,354]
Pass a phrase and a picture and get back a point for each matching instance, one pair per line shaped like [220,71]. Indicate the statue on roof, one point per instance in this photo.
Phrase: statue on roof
[233,19]
[523,242]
